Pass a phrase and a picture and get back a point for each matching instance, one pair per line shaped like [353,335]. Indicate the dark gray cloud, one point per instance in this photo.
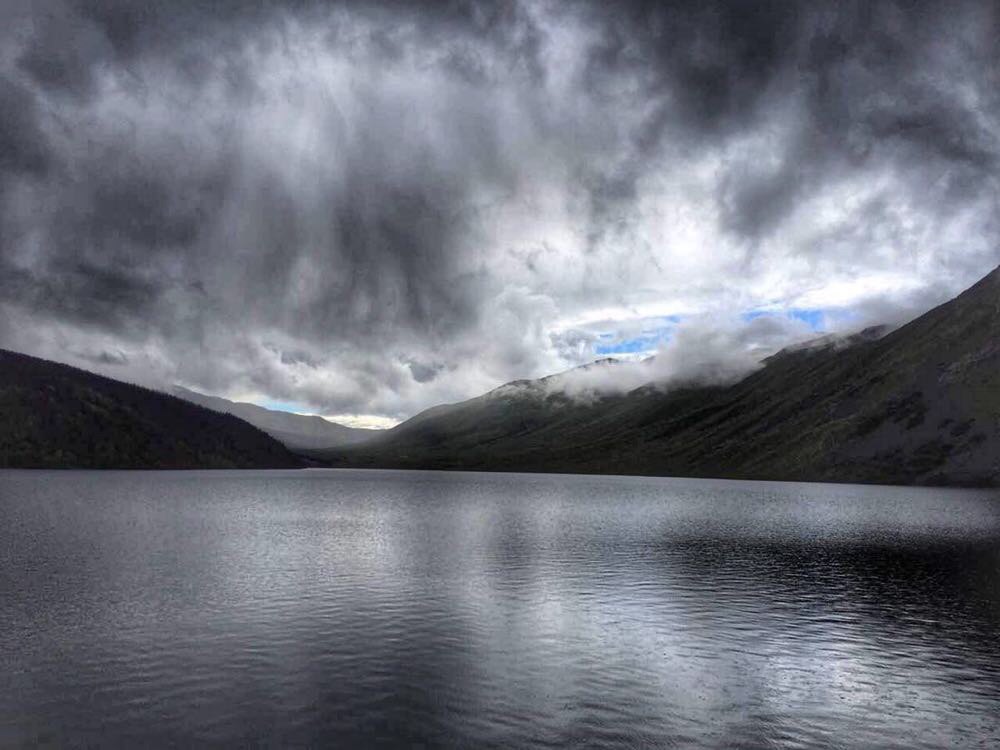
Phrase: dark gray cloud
[102,357]
[372,207]
[424,373]
[22,146]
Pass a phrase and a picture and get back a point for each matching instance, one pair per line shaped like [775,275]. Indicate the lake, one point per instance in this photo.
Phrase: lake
[391,608]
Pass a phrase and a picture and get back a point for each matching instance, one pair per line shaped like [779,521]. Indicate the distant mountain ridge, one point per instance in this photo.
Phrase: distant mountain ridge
[56,416]
[916,405]
[294,431]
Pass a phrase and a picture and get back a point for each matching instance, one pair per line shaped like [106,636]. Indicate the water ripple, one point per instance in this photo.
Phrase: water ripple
[351,608]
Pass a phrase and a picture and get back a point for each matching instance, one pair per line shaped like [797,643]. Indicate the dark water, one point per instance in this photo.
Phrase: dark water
[351,608]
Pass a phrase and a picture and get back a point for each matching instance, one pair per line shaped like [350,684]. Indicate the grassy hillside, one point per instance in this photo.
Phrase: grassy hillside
[920,405]
[56,416]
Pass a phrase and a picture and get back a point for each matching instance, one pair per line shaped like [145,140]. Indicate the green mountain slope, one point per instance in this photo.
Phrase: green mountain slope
[56,416]
[920,405]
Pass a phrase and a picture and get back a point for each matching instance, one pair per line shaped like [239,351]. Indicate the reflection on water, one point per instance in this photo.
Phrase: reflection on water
[351,607]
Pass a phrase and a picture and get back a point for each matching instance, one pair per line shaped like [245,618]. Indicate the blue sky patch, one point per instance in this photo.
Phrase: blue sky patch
[289,406]
[630,346]
[812,317]
[648,339]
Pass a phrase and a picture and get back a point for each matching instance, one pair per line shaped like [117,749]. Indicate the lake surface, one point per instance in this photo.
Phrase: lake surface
[370,608]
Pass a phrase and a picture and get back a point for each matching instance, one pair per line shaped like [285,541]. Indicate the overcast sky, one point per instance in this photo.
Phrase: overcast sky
[365,209]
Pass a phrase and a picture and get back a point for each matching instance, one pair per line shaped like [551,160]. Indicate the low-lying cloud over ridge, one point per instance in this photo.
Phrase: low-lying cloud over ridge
[701,351]
[370,208]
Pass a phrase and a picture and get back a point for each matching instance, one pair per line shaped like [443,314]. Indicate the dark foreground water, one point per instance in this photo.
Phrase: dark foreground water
[351,608]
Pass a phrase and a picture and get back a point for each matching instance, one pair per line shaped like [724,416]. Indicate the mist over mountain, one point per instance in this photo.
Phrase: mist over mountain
[918,404]
[705,350]
[294,431]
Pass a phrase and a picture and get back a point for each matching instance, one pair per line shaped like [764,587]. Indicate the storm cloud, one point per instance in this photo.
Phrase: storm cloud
[370,208]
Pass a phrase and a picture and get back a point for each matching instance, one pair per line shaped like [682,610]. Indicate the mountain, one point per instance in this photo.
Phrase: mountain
[56,416]
[917,405]
[295,431]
